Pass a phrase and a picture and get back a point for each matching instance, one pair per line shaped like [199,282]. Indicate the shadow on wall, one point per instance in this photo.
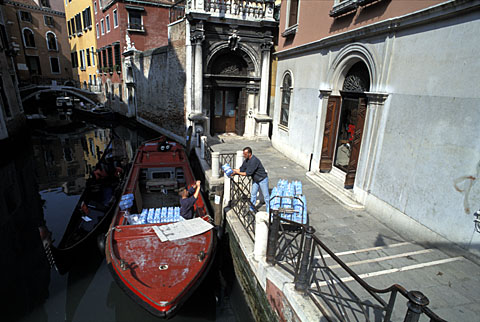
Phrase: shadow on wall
[159,76]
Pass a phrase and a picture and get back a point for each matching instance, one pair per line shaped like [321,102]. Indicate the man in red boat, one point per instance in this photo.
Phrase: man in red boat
[188,199]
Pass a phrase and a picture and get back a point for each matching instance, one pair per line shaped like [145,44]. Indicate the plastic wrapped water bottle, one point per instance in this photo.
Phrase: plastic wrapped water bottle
[227,169]
[272,200]
[156,219]
[128,196]
[151,215]
[286,200]
[299,188]
[164,214]
[143,216]
[304,200]
[125,204]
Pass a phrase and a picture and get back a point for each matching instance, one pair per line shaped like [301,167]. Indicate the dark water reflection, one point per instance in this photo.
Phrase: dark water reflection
[40,185]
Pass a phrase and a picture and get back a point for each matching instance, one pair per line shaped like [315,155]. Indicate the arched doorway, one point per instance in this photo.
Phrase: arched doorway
[227,77]
[344,122]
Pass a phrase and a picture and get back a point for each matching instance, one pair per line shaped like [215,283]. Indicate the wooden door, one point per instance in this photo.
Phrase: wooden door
[242,112]
[224,110]
[356,143]
[329,134]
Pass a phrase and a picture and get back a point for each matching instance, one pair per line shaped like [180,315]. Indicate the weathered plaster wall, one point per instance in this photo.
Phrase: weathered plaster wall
[430,122]
[425,132]
[160,83]
[297,140]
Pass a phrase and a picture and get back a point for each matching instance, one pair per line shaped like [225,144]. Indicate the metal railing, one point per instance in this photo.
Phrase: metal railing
[295,248]
[319,273]
[223,158]
[240,203]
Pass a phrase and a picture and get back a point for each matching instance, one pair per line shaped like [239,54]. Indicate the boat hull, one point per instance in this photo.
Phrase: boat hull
[158,275]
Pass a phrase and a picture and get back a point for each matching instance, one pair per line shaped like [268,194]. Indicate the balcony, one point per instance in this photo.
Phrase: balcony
[253,10]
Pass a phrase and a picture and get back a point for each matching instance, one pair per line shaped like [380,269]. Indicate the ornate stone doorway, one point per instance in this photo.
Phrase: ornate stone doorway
[227,78]
[344,123]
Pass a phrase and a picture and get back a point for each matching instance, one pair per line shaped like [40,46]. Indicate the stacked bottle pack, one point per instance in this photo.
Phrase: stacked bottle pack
[289,199]
[126,202]
[156,216]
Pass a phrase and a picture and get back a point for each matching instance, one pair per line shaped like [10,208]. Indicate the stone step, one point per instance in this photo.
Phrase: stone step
[333,185]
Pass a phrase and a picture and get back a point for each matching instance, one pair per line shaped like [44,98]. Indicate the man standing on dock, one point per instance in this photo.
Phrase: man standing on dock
[253,167]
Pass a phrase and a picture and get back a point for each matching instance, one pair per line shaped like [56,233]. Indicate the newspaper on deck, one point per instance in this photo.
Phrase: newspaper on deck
[182,229]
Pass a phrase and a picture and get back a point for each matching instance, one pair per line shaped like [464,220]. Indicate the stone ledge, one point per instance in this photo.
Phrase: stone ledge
[294,304]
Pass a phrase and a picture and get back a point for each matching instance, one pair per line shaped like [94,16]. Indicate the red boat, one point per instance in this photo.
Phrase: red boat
[159,275]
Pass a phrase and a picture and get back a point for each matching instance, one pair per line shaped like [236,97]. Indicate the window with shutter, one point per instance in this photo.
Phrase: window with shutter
[55,65]
[292,13]
[286,94]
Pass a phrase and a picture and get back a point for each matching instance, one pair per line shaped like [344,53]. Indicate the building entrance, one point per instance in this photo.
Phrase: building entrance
[345,119]
[225,110]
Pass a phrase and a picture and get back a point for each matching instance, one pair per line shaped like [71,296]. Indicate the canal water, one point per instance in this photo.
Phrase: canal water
[51,169]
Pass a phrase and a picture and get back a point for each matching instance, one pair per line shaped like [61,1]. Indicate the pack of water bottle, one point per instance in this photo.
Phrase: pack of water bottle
[288,196]
[227,169]
[126,201]
[157,216]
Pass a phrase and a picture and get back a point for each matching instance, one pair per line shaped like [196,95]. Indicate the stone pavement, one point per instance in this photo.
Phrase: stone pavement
[374,250]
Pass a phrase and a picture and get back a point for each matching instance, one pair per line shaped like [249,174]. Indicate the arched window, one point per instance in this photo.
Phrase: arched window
[28,38]
[51,41]
[286,94]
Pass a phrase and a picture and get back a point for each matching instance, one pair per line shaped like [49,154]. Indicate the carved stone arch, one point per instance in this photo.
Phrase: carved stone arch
[343,62]
[243,51]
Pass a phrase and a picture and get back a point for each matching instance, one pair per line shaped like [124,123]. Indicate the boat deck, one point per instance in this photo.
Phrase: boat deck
[158,199]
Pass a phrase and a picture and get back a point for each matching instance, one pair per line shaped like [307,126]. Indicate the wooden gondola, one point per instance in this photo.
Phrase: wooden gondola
[93,212]
[159,274]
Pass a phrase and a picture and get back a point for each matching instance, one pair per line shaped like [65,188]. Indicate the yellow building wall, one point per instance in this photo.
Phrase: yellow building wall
[87,39]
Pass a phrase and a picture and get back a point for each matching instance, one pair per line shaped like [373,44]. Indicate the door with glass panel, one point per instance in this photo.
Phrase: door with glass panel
[225,110]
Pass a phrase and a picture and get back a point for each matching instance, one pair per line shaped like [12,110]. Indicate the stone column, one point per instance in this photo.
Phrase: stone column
[264,77]
[197,39]
[319,128]
[252,93]
[215,164]
[261,117]
[372,138]
[188,73]
[238,159]
[203,141]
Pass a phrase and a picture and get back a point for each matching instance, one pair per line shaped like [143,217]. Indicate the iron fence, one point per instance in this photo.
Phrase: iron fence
[208,154]
[318,272]
[224,157]
[241,205]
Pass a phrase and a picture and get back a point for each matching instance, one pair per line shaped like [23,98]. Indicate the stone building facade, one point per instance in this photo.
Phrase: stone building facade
[228,66]
[124,28]
[376,105]
[39,38]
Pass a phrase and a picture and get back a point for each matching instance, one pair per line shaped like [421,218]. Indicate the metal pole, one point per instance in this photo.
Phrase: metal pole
[273,237]
[302,279]
[415,305]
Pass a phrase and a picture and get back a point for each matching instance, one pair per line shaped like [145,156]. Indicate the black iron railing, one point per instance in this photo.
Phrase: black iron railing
[224,157]
[241,205]
[314,267]
[208,154]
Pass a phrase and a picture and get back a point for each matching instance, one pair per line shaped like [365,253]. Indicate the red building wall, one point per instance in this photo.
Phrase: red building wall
[314,21]
[155,19]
